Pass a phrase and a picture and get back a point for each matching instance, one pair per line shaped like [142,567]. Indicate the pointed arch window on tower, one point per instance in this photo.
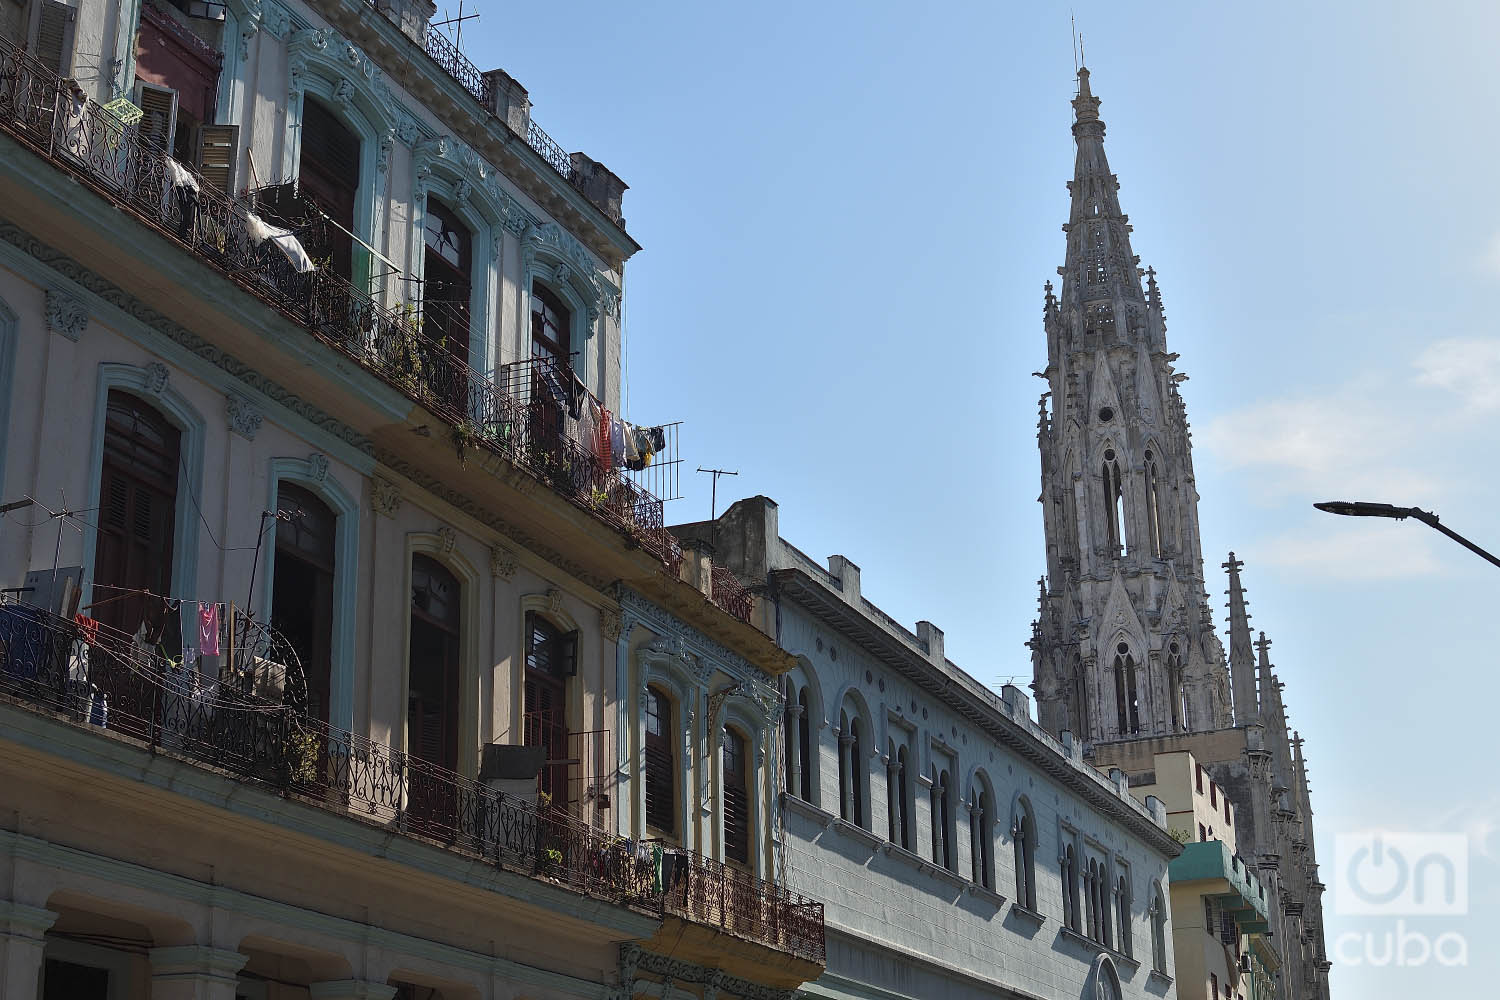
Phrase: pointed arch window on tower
[1153,506]
[1094,262]
[1114,502]
[1174,686]
[1127,705]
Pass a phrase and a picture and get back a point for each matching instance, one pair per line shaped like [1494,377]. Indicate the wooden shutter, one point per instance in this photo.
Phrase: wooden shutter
[159,121]
[661,811]
[736,799]
[218,146]
[54,37]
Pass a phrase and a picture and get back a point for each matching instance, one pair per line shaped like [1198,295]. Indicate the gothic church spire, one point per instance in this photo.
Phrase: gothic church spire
[1124,644]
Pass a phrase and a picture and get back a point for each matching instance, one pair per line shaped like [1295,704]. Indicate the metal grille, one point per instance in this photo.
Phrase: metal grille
[94,676]
[81,137]
[709,892]
[730,595]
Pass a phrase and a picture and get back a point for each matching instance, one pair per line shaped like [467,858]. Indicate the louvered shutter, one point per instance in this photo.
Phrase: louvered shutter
[217,148]
[661,811]
[54,37]
[159,121]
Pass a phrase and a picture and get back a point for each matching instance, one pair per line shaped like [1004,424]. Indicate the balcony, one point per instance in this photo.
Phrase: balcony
[87,675]
[1227,879]
[730,595]
[503,416]
[713,911]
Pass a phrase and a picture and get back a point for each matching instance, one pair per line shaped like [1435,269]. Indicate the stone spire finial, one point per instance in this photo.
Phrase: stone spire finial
[1241,651]
[1086,105]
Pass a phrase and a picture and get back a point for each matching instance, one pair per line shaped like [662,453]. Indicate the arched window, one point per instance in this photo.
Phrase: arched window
[660,763]
[736,797]
[892,794]
[447,277]
[1023,838]
[1114,502]
[432,686]
[551,658]
[1071,917]
[551,326]
[1174,686]
[1158,929]
[329,176]
[945,802]
[1153,506]
[137,513]
[800,769]
[852,777]
[302,588]
[904,798]
[1127,704]
[1122,910]
[981,822]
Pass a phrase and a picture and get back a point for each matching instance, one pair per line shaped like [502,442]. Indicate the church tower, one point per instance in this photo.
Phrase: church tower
[1124,644]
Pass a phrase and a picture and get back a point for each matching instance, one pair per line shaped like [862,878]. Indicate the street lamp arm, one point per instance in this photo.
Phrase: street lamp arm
[1431,520]
[1359,508]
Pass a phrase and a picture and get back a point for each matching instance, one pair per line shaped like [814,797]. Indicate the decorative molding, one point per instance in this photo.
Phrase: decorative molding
[635,960]
[156,378]
[447,539]
[474,181]
[317,466]
[553,252]
[137,310]
[466,504]
[66,315]
[244,416]
[502,563]
[385,496]
[663,622]
[554,600]
[610,623]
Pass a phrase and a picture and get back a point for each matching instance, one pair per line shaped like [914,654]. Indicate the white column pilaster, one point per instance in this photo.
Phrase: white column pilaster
[195,972]
[21,946]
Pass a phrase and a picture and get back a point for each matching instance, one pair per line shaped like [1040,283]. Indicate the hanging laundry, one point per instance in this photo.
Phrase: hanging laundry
[259,231]
[604,455]
[208,629]
[649,441]
[616,442]
[576,396]
[88,627]
[190,619]
[658,439]
[99,708]
[631,451]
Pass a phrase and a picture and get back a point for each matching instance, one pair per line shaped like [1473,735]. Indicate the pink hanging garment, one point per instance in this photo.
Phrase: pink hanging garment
[208,629]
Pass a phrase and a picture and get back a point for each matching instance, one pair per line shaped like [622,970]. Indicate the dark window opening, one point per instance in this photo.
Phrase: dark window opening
[736,798]
[433,688]
[447,277]
[661,768]
[329,177]
[302,589]
[137,514]
[551,658]
[71,981]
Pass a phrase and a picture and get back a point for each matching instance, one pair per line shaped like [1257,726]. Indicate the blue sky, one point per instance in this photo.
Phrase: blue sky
[848,211]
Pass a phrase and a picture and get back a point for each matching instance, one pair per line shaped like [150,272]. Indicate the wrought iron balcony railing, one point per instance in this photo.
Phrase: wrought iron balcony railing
[92,675]
[703,891]
[49,115]
[450,59]
[730,595]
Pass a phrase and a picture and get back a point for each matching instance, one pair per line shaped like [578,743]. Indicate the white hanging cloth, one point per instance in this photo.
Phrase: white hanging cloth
[259,231]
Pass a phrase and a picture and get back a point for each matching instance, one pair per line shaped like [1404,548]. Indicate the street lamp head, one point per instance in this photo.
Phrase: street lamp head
[1358,508]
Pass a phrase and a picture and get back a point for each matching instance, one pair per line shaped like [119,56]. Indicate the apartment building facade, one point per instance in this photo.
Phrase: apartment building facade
[331,570]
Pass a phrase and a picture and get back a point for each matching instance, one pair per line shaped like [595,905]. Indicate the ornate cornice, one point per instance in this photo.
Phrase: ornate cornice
[111,293]
[663,622]
[483,515]
[635,960]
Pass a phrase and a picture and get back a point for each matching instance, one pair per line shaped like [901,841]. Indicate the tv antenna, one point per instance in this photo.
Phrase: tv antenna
[457,23]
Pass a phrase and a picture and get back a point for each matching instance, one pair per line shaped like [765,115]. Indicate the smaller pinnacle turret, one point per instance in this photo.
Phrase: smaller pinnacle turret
[1241,653]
